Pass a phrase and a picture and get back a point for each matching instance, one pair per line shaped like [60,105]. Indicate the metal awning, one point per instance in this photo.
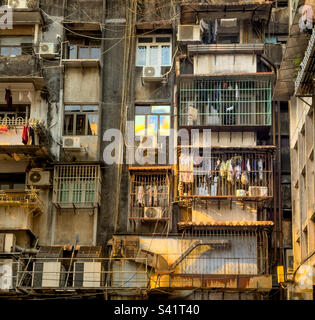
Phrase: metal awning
[304,81]
[26,17]
[253,10]
[295,47]
[234,76]
[24,152]
[251,48]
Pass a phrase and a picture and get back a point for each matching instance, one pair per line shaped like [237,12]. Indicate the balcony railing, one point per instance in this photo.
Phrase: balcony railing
[80,273]
[233,174]
[26,199]
[224,102]
[150,196]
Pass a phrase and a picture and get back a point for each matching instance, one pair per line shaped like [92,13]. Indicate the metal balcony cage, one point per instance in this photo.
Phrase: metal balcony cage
[225,174]
[76,185]
[224,102]
[150,196]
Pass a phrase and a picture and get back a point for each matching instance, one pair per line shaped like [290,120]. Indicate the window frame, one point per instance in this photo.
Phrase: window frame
[147,115]
[76,114]
[147,45]
[80,46]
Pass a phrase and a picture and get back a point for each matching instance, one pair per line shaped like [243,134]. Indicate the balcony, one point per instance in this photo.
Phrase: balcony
[26,13]
[150,194]
[223,173]
[11,145]
[224,102]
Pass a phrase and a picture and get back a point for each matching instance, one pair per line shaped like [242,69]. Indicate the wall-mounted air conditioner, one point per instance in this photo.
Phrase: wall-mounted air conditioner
[48,275]
[38,177]
[9,273]
[188,33]
[153,212]
[47,49]
[7,242]
[71,143]
[151,72]
[88,274]
[18,4]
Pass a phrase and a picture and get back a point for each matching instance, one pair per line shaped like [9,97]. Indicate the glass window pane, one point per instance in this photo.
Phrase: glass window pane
[143,110]
[141,56]
[77,193]
[140,126]
[91,108]
[80,125]
[95,53]
[165,125]
[5,51]
[92,124]
[152,125]
[163,39]
[84,53]
[166,55]
[160,109]
[73,52]
[16,51]
[68,125]
[64,193]
[90,192]
[145,40]
[154,56]
[72,108]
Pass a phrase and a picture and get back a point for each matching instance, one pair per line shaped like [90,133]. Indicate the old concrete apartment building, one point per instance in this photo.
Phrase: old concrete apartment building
[206,215]
[295,85]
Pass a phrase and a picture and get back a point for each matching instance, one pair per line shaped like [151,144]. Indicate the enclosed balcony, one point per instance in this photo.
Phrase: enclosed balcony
[77,186]
[224,102]
[223,173]
[150,194]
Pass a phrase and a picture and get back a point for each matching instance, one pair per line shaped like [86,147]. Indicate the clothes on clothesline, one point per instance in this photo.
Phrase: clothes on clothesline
[8,97]
[28,135]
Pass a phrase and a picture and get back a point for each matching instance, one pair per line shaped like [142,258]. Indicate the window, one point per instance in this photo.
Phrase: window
[12,181]
[11,114]
[16,46]
[81,120]
[154,51]
[77,184]
[84,52]
[152,121]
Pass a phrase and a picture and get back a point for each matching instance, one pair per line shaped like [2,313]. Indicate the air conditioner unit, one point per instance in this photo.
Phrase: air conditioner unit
[47,49]
[153,212]
[38,177]
[7,242]
[88,274]
[48,275]
[71,142]
[9,273]
[18,4]
[188,33]
[151,72]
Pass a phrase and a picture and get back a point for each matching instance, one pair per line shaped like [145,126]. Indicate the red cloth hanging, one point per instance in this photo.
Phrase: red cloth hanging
[8,97]
[25,135]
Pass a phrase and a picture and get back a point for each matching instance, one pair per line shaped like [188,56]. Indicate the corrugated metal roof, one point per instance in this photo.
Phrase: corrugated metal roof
[227,224]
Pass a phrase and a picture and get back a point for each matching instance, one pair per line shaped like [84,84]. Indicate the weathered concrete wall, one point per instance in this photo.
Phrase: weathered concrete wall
[15,218]
[81,85]
[24,65]
[69,224]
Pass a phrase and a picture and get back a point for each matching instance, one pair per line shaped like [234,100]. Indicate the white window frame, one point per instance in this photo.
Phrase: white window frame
[159,45]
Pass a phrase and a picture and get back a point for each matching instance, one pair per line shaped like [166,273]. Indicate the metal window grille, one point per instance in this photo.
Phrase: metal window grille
[208,102]
[217,175]
[150,196]
[77,184]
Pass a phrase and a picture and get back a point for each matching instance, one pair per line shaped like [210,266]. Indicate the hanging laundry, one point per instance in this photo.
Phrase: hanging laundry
[215,33]
[238,171]
[30,96]
[32,135]
[155,196]
[203,25]
[140,195]
[248,165]
[4,128]
[230,175]
[20,95]
[186,168]
[260,169]
[25,135]
[8,97]
[237,94]
[149,194]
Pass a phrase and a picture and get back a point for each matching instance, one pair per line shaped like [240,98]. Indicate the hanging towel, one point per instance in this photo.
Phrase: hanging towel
[8,97]
[140,195]
[155,196]
[30,97]
[25,135]
[260,169]
[150,197]
[32,135]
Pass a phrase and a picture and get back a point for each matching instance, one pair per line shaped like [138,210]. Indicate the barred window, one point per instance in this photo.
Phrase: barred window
[77,184]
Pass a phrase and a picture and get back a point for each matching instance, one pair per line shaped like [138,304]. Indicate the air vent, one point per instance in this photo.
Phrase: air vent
[188,33]
[73,142]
